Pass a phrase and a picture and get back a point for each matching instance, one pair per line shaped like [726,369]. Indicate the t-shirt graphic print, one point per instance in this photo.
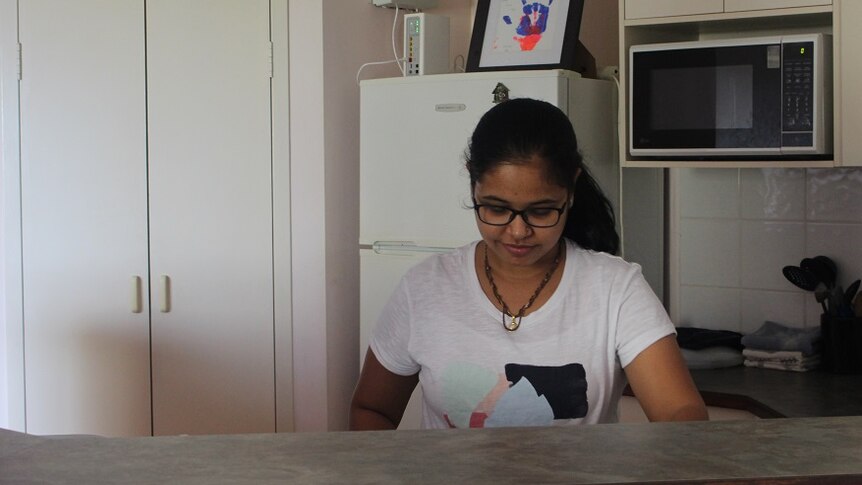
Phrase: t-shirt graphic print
[525,395]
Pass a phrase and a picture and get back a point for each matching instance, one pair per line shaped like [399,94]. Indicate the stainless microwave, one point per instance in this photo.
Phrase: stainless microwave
[765,97]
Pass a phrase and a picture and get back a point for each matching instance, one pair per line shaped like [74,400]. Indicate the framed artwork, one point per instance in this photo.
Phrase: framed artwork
[525,34]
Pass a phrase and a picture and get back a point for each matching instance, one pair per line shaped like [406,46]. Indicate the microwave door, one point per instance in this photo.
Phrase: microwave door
[722,100]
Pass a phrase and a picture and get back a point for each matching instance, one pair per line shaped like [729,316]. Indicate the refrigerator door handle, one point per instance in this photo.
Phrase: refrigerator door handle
[395,247]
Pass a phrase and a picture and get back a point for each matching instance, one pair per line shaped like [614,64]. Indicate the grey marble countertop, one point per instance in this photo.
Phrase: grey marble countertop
[789,394]
[821,449]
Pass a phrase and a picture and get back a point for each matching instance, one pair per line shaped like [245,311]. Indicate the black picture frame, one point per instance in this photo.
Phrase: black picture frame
[487,28]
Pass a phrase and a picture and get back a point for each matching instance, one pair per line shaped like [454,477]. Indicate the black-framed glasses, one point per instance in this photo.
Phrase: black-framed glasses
[498,215]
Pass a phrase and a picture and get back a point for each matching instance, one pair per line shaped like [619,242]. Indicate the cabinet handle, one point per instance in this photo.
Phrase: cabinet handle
[137,302]
[166,294]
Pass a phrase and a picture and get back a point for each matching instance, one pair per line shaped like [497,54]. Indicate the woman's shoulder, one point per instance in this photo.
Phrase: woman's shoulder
[443,265]
[590,260]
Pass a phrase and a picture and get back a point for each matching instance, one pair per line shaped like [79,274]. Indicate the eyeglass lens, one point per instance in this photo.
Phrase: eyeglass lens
[536,217]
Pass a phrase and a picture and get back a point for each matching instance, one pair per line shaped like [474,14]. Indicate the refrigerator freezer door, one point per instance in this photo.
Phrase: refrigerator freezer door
[414,130]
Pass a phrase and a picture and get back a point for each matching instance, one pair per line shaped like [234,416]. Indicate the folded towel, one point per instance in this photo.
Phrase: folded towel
[810,363]
[778,355]
[775,336]
[778,366]
[712,358]
[700,338]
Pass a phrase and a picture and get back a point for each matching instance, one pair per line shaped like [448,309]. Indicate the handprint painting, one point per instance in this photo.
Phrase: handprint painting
[532,24]
[523,25]
[525,34]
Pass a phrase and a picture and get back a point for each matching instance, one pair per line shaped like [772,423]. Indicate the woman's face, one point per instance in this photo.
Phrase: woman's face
[520,186]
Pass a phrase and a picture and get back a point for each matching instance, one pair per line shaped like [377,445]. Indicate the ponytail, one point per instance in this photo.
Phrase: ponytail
[591,223]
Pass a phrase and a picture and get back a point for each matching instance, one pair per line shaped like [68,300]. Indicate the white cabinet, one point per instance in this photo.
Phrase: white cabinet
[680,20]
[146,157]
[747,5]
[208,100]
[848,85]
[644,9]
[84,216]
[640,9]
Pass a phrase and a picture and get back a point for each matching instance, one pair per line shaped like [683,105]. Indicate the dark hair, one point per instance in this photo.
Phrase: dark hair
[518,130]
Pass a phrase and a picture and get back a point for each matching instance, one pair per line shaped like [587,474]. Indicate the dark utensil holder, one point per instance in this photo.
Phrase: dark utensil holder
[842,344]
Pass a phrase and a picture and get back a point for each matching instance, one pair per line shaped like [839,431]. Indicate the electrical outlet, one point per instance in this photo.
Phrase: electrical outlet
[406,4]
[609,73]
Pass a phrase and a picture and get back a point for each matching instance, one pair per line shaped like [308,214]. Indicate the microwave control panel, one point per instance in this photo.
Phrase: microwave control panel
[797,94]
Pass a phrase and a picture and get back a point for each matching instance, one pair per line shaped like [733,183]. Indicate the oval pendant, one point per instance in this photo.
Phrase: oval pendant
[512,324]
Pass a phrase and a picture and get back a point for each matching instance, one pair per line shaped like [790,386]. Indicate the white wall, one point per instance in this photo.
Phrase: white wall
[11,335]
[738,228]
[600,31]
[308,215]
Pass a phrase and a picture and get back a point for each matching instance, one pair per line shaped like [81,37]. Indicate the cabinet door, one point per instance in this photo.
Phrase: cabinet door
[640,9]
[211,216]
[84,216]
[848,102]
[744,5]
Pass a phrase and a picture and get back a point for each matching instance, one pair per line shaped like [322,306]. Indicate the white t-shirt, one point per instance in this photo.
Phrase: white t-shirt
[562,366]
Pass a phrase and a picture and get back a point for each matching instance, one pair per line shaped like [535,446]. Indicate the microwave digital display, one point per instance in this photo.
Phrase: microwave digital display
[747,97]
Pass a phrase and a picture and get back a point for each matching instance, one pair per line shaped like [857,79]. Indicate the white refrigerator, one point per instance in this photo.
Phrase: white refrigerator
[414,189]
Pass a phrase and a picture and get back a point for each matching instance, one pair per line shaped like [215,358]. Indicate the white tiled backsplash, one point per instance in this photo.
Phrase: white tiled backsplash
[736,229]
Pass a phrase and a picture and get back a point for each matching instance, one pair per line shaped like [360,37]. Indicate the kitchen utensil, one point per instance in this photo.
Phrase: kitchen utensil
[821,294]
[801,278]
[830,265]
[837,304]
[823,268]
[851,292]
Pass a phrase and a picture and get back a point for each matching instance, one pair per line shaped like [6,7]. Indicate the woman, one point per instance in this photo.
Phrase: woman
[537,323]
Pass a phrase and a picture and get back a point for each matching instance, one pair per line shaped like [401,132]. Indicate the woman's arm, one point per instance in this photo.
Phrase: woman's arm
[662,384]
[380,396]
